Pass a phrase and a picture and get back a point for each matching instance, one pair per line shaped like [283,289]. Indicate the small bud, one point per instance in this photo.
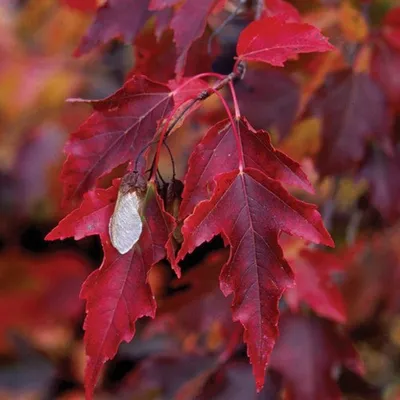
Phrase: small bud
[126,224]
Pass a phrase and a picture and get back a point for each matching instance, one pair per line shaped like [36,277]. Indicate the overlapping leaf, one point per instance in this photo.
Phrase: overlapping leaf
[117,294]
[307,369]
[188,24]
[250,210]
[269,99]
[273,40]
[217,153]
[315,284]
[117,18]
[353,111]
[115,133]
[382,172]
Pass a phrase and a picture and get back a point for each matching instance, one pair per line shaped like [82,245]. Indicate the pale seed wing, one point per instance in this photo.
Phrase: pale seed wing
[125,224]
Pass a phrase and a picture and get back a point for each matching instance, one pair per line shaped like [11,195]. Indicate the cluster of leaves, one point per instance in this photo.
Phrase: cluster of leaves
[216,67]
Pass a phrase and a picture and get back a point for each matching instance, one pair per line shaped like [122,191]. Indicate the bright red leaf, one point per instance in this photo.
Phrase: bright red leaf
[353,111]
[116,294]
[315,284]
[250,210]
[391,28]
[307,353]
[217,153]
[273,40]
[115,133]
[117,18]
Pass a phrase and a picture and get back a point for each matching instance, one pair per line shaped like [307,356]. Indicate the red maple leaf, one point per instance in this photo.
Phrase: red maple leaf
[117,18]
[118,130]
[353,110]
[306,354]
[315,284]
[117,294]
[188,24]
[250,210]
[391,28]
[273,40]
[219,144]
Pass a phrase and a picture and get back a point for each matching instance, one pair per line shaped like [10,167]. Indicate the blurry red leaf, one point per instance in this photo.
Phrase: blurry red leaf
[156,57]
[385,64]
[353,110]
[219,144]
[117,131]
[269,99]
[274,40]
[161,4]
[116,294]
[276,7]
[250,210]
[391,27]
[82,5]
[188,24]
[117,18]
[307,353]
[315,284]
[382,172]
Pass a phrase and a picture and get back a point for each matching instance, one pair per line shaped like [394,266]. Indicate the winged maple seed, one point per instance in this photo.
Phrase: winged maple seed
[126,222]
[233,185]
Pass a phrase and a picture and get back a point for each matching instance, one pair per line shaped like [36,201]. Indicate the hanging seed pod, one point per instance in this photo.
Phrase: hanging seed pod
[126,224]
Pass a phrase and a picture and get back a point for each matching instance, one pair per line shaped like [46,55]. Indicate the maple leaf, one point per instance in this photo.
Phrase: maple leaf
[250,210]
[219,144]
[315,284]
[188,24]
[118,130]
[273,40]
[117,18]
[117,294]
[382,173]
[269,99]
[353,110]
[314,345]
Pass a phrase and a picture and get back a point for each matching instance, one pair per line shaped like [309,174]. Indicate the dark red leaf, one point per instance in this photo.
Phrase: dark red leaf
[115,133]
[385,64]
[382,172]
[250,210]
[189,23]
[273,40]
[217,153]
[391,27]
[117,18]
[353,110]
[269,99]
[307,353]
[117,294]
